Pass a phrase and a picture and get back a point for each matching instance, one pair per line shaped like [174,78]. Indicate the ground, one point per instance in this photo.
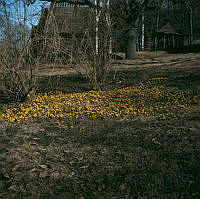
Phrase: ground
[151,152]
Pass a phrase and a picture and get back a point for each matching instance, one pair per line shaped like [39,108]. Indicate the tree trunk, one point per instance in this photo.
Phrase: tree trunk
[131,43]
[191,26]
[142,39]
[97,18]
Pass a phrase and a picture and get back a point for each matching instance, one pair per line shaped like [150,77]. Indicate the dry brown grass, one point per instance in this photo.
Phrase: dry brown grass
[144,59]
[89,159]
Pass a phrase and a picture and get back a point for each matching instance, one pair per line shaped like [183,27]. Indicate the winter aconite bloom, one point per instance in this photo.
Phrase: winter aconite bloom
[129,102]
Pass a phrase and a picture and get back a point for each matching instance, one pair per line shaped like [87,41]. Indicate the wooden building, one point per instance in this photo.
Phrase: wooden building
[167,39]
[61,26]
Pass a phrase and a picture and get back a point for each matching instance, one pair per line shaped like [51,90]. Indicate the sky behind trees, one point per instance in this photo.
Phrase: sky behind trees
[17,15]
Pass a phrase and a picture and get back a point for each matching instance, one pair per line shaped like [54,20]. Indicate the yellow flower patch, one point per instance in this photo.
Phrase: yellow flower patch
[131,101]
[158,78]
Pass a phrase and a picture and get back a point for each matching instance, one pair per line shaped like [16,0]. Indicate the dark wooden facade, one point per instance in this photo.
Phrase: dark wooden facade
[62,24]
[167,39]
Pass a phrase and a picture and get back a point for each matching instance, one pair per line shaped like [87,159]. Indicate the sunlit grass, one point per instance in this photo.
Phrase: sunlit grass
[146,100]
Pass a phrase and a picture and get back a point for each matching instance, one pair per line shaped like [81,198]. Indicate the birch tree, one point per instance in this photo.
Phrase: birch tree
[91,53]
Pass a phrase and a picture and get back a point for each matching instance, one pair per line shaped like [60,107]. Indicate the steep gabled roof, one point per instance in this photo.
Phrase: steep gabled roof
[66,19]
[168,29]
[71,19]
[72,2]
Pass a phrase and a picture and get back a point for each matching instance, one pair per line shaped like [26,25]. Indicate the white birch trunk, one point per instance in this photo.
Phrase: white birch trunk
[96,40]
[108,20]
[97,17]
[142,39]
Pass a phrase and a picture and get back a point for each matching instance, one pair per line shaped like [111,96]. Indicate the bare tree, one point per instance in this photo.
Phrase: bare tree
[16,63]
[88,51]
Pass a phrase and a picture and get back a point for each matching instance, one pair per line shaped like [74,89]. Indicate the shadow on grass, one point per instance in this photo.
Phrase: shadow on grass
[147,159]
[141,159]
[108,159]
[180,79]
[186,49]
[68,84]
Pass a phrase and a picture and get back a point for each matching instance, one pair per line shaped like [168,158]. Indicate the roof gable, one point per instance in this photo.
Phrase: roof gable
[168,29]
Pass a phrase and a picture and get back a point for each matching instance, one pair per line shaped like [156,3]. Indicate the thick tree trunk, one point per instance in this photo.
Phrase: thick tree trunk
[131,44]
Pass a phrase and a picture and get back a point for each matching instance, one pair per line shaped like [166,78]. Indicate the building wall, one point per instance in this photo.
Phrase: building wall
[64,23]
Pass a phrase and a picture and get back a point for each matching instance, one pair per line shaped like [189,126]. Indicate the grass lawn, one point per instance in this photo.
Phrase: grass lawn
[139,138]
